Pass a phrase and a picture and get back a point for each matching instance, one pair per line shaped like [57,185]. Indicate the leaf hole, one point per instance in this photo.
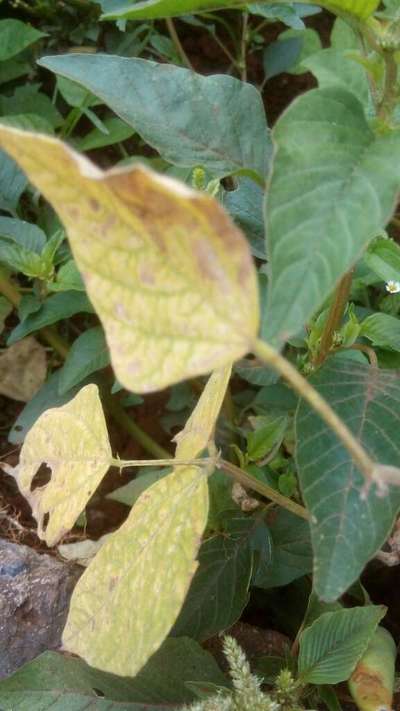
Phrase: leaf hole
[98,692]
[42,477]
[45,521]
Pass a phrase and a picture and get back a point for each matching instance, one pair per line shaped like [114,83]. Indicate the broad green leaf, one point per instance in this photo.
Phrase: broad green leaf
[245,205]
[28,122]
[383,330]
[170,277]
[88,354]
[27,99]
[268,431]
[72,441]
[67,278]
[55,308]
[336,68]
[202,116]
[11,69]
[333,188]
[291,551]
[220,587]
[256,373]
[12,183]
[383,258]
[23,369]
[331,647]
[16,36]
[280,56]
[129,597]
[289,13]
[349,525]
[66,701]
[153,9]
[162,681]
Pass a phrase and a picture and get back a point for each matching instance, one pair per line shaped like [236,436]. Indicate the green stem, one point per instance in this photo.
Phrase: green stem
[250,482]
[335,316]
[271,357]
[243,47]
[390,90]
[178,44]
[125,463]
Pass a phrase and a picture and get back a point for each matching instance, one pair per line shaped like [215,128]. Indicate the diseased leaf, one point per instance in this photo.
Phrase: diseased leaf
[72,441]
[88,354]
[347,529]
[202,116]
[130,595]
[152,253]
[331,647]
[23,369]
[318,217]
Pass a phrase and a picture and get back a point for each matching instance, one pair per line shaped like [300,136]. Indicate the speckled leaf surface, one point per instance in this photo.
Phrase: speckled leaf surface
[129,597]
[168,273]
[73,441]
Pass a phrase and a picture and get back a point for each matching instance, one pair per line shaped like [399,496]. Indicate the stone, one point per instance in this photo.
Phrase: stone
[35,591]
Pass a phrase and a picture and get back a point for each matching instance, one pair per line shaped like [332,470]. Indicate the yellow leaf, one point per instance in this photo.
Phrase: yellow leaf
[23,369]
[129,597]
[73,441]
[168,273]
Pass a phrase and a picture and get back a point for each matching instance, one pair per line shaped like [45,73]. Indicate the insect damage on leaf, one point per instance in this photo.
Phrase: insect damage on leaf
[73,441]
[129,597]
[168,273]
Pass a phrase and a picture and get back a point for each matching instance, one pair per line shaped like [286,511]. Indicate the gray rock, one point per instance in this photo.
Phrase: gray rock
[35,591]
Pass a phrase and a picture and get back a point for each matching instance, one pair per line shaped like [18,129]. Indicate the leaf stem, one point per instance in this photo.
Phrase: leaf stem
[178,44]
[335,315]
[250,482]
[389,97]
[125,463]
[275,360]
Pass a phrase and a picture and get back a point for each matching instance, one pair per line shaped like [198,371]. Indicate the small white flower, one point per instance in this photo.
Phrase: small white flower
[392,286]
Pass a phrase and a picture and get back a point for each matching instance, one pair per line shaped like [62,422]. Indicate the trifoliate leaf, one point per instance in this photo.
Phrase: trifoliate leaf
[129,597]
[72,441]
[168,273]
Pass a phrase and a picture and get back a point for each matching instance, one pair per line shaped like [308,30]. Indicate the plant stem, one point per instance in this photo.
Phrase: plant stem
[389,98]
[243,47]
[177,43]
[125,463]
[250,482]
[275,360]
[8,289]
[335,316]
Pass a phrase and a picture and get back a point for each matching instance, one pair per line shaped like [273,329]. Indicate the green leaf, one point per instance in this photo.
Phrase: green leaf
[129,597]
[117,131]
[88,353]
[153,9]
[55,308]
[334,68]
[291,551]
[161,681]
[148,262]
[331,647]
[78,455]
[383,258]
[290,14]
[67,278]
[348,524]
[12,69]
[280,56]
[318,216]
[145,477]
[220,587]
[12,183]
[23,233]
[202,116]
[267,433]
[245,205]
[383,330]
[28,122]
[75,95]
[27,99]
[16,36]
